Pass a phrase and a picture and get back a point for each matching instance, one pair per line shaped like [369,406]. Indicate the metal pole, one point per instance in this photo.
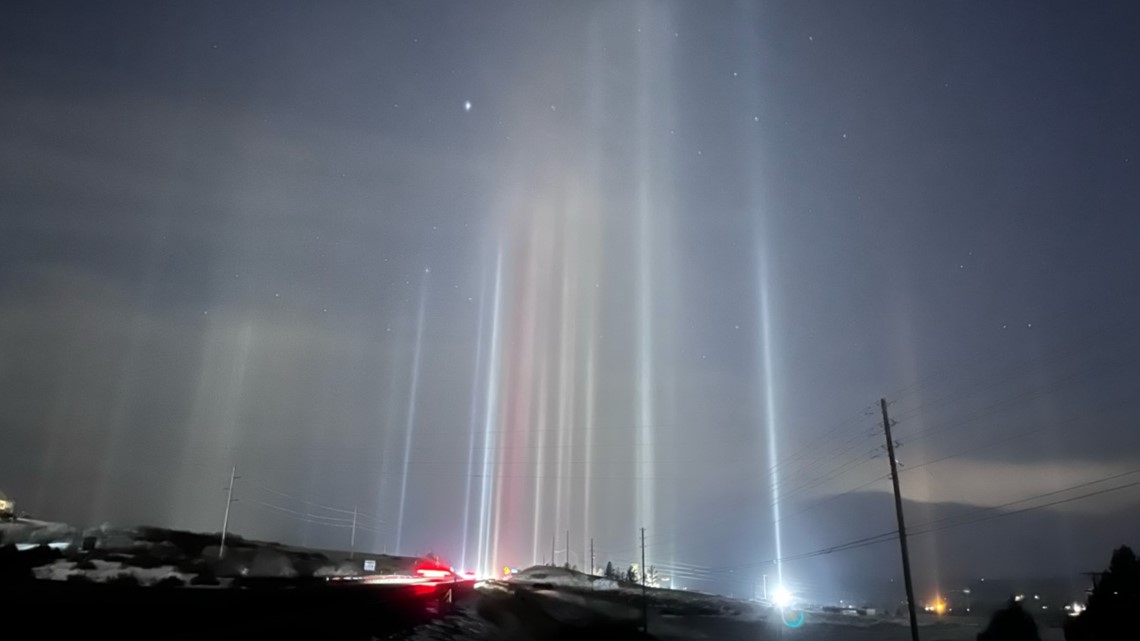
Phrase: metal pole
[567,547]
[352,544]
[552,561]
[902,523]
[226,518]
[644,598]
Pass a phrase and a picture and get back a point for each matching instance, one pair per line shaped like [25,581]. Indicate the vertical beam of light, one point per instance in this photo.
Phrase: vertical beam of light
[600,114]
[409,427]
[124,403]
[769,401]
[128,383]
[589,421]
[764,286]
[486,564]
[541,426]
[214,418]
[391,413]
[566,372]
[644,447]
[472,422]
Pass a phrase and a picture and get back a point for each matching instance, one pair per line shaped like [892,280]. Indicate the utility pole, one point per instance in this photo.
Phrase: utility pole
[765,578]
[567,547]
[644,598]
[352,544]
[552,561]
[593,566]
[902,522]
[226,518]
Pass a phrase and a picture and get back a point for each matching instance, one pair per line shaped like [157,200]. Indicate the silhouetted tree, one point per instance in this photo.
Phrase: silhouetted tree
[631,575]
[651,578]
[610,572]
[1113,604]
[1010,623]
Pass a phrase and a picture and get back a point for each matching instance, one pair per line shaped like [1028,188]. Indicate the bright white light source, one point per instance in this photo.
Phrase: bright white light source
[781,597]
[467,106]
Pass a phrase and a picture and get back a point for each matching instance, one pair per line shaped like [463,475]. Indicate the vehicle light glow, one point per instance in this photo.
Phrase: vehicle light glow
[433,574]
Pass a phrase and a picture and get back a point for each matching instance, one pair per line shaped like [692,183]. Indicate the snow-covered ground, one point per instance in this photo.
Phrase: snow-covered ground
[690,615]
[104,571]
[31,531]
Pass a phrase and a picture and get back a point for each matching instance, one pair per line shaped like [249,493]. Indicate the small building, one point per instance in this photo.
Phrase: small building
[7,507]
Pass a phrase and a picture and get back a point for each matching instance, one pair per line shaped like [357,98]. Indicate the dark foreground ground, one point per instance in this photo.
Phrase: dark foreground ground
[77,610]
[63,610]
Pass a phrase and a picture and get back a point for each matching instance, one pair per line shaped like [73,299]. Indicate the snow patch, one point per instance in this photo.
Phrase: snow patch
[105,571]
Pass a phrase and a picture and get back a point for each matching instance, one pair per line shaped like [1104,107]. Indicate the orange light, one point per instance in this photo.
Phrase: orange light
[940,606]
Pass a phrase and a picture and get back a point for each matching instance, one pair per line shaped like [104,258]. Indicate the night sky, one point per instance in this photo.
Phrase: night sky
[488,272]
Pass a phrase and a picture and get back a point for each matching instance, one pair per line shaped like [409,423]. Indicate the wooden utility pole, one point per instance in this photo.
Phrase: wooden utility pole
[593,566]
[644,598]
[567,548]
[552,539]
[902,523]
[226,518]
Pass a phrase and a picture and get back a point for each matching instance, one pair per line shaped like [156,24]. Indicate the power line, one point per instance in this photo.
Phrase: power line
[361,515]
[926,529]
[316,519]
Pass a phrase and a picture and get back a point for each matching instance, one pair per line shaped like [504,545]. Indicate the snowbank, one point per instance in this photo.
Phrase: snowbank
[554,577]
[105,571]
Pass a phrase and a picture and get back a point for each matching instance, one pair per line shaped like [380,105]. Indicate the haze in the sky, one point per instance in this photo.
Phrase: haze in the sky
[491,273]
